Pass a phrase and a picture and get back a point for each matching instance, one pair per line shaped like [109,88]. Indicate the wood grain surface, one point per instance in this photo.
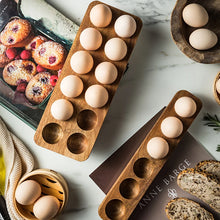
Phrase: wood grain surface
[75,137]
[141,170]
[181,31]
[216,94]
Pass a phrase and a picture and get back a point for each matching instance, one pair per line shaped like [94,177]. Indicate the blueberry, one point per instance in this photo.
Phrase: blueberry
[52,60]
[44,80]
[37,90]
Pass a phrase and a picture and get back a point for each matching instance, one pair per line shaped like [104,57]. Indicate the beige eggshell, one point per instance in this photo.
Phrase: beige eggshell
[96,96]
[172,127]
[185,107]
[217,85]
[100,15]
[125,26]
[115,49]
[62,109]
[46,207]
[27,192]
[71,86]
[203,39]
[195,15]
[157,148]
[81,62]
[90,39]
[106,73]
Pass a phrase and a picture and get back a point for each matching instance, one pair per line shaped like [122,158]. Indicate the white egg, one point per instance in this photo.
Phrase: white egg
[62,109]
[96,96]
[217,85]
[185,107]
[203,39]
[106,73]
[81,62]
[195,15]
[100,15]
[46,207]
[172,127]
[90,39]
[71,86]
[115,49]
[27,192]
[125,26]
[157,147]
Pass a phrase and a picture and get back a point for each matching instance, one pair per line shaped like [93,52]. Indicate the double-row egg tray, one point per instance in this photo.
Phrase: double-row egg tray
[75,137]
[141,170]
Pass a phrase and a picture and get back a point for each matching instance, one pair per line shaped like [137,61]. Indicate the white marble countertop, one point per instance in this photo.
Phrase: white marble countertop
[157,70]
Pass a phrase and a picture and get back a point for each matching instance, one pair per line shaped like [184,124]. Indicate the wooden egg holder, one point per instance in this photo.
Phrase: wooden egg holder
[181,31]
[216,94]
[75,137]
[141,170]
[51,183]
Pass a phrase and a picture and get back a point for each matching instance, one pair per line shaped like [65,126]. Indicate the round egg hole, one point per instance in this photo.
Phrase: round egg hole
[52,133]
[115,209]
[87,119]
[129,188]
[77,143]
[140,167]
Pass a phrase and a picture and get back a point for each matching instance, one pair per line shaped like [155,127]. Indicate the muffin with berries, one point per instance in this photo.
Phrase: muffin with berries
[39,87]
[17,33]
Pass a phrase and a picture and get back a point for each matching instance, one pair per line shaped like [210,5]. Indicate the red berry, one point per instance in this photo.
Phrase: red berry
[40,69]
[11,53]
[21,87]
[17,57]
[25,54]
[53,80]
[59,72]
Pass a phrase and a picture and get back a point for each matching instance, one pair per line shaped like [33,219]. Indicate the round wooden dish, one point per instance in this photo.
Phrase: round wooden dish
[51,183]
[181,31]
[216,94]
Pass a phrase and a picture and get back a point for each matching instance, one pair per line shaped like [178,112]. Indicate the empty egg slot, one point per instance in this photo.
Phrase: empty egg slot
[129,188]
[115,209]
[77,143]
[87,119]
[52,133]
[140,168]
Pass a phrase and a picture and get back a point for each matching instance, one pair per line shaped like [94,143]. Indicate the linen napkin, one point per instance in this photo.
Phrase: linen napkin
[18,161]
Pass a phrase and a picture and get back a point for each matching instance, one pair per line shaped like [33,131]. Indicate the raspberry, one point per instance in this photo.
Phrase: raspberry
[41,69]
[21,87]
[52,60]
[11,53]
[25,54]
[53,80]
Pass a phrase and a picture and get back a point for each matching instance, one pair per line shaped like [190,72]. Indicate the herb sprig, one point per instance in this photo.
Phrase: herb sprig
[214,122]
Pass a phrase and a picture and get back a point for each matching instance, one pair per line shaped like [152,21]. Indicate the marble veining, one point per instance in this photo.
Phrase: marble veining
[157,70]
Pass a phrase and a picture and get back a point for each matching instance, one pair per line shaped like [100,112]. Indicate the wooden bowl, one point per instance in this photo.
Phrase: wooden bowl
[216,94]
[51,183]
[181,31]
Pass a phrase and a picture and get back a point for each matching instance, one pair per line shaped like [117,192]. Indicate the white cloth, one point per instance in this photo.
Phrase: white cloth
[18,161]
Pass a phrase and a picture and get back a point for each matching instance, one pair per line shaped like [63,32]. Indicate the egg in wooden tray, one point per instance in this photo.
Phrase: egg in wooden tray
[90,77]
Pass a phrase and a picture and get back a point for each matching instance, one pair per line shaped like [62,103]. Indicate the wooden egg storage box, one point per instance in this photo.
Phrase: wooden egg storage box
[141,170]
[75,137]
[181,31]
[51,183]
[216,94]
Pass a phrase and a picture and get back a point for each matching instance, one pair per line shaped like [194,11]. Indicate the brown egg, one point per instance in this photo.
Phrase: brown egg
[46,207]
[101,15]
